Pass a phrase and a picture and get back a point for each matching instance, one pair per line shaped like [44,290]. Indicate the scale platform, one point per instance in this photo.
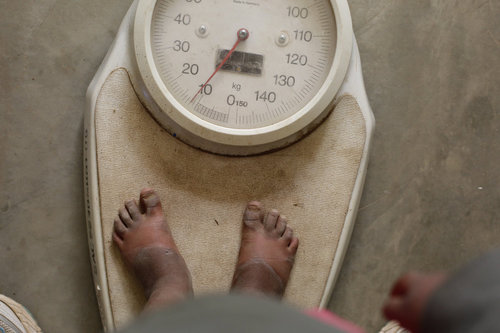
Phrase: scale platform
[316,182]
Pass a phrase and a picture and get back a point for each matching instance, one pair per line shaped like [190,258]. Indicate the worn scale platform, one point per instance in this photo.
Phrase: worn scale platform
[316,182]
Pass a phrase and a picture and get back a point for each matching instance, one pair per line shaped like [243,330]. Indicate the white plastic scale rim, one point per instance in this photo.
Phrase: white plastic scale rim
[122,55]
[170,107]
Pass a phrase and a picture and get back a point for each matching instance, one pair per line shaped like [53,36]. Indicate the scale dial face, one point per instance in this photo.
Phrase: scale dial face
[242,72]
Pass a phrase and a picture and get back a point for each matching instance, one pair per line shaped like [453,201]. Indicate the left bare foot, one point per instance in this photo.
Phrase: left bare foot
[143,236]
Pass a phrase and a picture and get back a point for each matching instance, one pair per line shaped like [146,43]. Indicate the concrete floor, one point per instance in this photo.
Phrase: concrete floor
[432,194]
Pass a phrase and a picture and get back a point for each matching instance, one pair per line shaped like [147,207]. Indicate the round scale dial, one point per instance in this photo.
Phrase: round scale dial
[242,73]
[268,77]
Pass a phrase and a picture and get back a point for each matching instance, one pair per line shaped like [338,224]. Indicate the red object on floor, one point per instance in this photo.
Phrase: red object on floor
[332,319]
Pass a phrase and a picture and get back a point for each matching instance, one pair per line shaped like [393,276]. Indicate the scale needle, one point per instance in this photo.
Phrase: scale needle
[242,35]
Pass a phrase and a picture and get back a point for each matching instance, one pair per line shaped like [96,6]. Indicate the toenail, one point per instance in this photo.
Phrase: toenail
[151,199]
[147,192]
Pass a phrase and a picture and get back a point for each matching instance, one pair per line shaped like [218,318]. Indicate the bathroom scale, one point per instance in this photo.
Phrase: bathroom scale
[214,103]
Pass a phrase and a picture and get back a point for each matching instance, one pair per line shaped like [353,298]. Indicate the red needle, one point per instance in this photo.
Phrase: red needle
[242,34]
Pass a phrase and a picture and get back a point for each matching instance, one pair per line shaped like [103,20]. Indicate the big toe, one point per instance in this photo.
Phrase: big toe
[253,215]
[270,220]
[150,202]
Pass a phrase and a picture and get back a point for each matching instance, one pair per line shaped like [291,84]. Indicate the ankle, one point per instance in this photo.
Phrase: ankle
[257,278]
[257,290]
[166,295]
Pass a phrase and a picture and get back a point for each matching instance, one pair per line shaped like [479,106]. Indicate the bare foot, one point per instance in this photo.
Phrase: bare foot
[409,297]
[267,252]
[143,236]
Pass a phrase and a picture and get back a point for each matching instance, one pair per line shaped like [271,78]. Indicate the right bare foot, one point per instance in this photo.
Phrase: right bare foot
[143,236]
[267,252]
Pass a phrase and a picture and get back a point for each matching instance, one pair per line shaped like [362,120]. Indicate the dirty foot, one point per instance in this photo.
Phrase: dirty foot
[267,252]
[143,236]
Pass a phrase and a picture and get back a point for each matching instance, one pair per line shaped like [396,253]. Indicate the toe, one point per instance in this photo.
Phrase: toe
[150,202]
[281,225]
[253,215]
[133,209]
[125,217]
[118,241]
[119,228]
[288,235]
[294,245]
[271,219]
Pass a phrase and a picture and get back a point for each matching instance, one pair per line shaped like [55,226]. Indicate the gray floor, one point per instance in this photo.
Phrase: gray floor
[432,194]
